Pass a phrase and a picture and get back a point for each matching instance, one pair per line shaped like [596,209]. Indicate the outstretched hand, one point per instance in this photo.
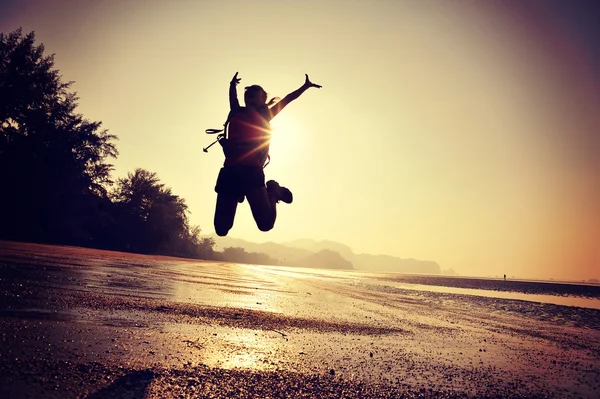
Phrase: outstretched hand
[308,83]
[235,79]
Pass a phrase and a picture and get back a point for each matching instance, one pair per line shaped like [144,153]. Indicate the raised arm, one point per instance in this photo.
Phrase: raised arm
[292,96]
[233,100]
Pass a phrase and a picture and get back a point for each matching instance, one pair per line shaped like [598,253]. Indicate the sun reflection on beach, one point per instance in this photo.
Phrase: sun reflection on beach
[242,349]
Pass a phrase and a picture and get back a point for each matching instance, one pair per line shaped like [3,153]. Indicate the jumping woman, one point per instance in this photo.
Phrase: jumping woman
[246,149]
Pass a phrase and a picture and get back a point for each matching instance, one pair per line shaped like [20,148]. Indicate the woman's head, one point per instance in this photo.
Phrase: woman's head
[255,96]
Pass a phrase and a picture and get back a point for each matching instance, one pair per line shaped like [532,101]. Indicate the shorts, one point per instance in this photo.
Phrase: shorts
[239,180]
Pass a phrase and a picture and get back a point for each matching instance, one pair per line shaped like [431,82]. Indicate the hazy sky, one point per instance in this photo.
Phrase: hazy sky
[462,132]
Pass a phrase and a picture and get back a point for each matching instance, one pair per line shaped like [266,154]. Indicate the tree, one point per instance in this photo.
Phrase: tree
[53,163]
[154,220]
[54,175]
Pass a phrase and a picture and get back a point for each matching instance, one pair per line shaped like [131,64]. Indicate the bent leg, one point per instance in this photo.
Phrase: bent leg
[225,213]
[263,208]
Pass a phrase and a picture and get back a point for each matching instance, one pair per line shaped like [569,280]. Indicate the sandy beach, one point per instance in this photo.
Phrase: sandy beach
[82,323]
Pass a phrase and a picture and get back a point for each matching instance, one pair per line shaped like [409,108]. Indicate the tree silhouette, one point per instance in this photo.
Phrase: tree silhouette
[54,176]
[152,218]
[53,169]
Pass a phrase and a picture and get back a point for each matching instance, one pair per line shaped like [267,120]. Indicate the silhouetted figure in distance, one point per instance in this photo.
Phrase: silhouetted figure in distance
[246,149]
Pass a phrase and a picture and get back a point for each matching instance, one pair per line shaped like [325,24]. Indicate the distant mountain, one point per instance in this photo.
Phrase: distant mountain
[316,246]
[393,264]
[299,253]
[283,253]
[379,263]
[324,259]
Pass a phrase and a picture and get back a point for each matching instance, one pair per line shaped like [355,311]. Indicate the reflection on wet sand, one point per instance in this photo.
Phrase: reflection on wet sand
[231,348]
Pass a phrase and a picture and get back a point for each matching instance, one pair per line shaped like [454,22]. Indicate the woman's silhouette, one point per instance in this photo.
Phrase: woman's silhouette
[246,152]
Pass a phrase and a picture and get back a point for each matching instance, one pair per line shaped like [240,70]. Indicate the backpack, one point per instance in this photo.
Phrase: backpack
[248,143]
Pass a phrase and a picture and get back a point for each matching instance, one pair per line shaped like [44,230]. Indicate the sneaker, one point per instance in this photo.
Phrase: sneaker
[279,192]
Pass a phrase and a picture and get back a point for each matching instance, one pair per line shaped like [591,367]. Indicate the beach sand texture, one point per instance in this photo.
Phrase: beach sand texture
[83,323]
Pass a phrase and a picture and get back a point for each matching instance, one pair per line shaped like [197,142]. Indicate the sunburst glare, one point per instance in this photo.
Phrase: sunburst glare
[286,140]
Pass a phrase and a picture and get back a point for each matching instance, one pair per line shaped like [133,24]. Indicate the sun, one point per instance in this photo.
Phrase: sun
[286,137]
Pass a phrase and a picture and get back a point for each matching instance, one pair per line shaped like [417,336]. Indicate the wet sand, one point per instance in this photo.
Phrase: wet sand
[82,323]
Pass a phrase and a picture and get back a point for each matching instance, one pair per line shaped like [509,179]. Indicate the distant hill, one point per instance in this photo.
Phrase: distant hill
[324,259]
[393,264]
[367,262]
[300,253]
[283,253]
[316,246]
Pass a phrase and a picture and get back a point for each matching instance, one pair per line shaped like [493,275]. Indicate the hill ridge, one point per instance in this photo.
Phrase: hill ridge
[303,250]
